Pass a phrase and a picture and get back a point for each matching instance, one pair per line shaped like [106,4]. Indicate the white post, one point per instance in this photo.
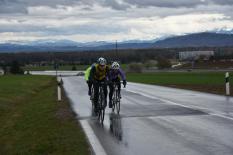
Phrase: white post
[58,93]
[227,84]
[59,83]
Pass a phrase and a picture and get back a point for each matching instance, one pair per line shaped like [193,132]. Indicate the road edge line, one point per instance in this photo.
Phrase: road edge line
[93,140]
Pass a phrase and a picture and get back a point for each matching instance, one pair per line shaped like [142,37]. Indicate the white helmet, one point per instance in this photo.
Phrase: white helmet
[115,65]
[102,61]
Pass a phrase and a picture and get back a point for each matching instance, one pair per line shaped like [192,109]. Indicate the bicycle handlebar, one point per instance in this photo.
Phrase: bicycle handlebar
[107,82]
[119,82]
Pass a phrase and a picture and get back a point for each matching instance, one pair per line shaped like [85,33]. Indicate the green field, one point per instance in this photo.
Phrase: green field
[63,67]
[33,122]
[213,82]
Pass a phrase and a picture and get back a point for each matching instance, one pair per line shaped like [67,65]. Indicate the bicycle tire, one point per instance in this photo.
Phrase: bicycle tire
[99,110]
[114,100]
[92,100]
[102,106]
[118,103]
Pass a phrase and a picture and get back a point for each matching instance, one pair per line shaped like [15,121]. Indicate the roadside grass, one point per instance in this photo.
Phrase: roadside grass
[33,122]
[212,82]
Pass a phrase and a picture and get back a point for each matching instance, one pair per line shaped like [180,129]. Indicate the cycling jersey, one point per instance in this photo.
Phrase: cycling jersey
[114,74]
[98,74]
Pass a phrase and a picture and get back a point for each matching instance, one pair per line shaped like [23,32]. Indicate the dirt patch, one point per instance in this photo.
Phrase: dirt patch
[64,111]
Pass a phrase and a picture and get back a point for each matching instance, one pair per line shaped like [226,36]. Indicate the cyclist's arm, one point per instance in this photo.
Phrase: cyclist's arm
[92,73]
[122,74]
[87,73]
[108,73]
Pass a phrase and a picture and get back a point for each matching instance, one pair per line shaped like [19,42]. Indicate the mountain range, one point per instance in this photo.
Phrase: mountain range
[205,39]
[197,40]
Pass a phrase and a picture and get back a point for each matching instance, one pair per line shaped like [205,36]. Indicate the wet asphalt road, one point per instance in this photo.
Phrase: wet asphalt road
[158,120]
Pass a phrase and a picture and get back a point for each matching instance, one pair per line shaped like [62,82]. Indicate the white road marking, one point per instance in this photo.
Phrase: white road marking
[210,112]
[93,140]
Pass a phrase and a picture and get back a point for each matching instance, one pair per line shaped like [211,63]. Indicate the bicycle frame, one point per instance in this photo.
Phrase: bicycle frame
[101,102]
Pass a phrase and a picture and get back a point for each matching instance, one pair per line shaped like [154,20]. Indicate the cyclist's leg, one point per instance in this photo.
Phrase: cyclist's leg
[89,88]
[92,92]
[119,86]
[105,94]
[110,94]
[96,95]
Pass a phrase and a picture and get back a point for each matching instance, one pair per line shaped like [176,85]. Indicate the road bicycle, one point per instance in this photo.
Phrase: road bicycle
[100,103]
[92,99]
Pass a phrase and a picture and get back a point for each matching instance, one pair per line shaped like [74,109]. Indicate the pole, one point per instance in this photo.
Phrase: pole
[56,68]
[116,51]
[227,84]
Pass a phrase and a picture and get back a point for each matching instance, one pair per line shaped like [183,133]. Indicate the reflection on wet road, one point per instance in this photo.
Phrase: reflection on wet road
[115,126]
[157,120]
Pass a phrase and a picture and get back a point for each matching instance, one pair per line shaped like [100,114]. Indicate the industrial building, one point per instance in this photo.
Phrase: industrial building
[194,55]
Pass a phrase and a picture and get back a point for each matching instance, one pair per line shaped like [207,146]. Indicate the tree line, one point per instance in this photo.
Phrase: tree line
[125,56]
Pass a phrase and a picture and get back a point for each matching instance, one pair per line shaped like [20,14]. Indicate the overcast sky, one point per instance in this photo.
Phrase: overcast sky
[109,20]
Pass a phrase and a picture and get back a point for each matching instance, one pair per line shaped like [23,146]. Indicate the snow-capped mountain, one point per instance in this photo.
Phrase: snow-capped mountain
[216,38]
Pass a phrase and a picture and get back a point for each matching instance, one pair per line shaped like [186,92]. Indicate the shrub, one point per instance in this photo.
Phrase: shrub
[164,63]
[150,63]
[135,67]
[15,68]
[74,68]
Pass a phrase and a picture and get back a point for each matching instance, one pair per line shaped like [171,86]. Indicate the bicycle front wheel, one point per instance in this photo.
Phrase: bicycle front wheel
[114,101]
[102,106]
[118,102]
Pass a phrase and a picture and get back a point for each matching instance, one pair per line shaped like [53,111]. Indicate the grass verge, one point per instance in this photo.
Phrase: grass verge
[33,122]
[212,82]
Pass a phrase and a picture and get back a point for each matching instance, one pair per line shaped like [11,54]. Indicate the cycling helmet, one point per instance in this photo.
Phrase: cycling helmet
[115,65]
[101,61]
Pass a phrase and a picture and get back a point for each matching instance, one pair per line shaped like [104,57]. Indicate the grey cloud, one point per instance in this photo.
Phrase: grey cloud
[87,29]
[12,6]
[116,5]
[177,3]
[100,21]
[87,8]
[7,1]
[13,9]
[166,3]
[223,2]
[47,3]
[20,6]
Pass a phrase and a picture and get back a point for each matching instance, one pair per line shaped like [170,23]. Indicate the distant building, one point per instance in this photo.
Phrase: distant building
[194,55]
